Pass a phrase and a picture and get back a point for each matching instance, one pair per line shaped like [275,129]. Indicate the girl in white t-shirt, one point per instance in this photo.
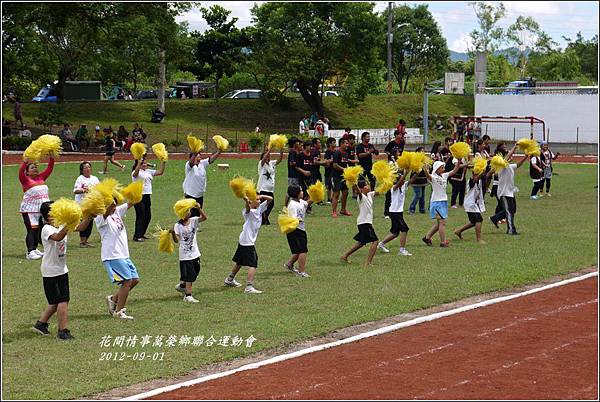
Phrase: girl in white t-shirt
[83,184]
[184,233]
[438,205]
[143,211]
[55,273]
[266,180]
[245,254]
[297,240]
[364,221]
[194,184]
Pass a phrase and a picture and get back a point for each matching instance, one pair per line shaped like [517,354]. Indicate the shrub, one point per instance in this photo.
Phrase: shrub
[255,141]
[176,143]
[233,143]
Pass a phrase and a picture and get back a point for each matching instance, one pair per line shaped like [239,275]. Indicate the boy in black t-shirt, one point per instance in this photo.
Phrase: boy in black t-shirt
[364,152]
[340,161]
[293,178]
[328,162]
[304,166]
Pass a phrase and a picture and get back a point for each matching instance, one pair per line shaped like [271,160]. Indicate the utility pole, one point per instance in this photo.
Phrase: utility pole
[389,48]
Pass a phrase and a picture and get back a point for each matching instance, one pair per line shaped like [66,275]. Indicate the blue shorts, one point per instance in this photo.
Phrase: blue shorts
[120,270]
[438,208]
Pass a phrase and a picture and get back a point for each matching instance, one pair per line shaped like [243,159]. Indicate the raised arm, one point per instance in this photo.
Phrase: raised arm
[46,173]
[162,169]
[214,156]
[203,215]
[266,157]
[280,157]
[22,175]
[136,171]
[456,168]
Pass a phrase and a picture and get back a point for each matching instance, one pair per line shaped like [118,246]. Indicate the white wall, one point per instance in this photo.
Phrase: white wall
[562,113]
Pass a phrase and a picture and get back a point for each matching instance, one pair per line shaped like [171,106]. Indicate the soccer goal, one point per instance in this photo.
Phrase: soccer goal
[501,128]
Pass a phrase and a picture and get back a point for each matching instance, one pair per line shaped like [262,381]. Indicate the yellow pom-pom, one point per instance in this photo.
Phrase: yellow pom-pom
[50,145]
[383,171]
[160,151]
[316,192]
[460,150]
[237,185]
[93,203]
[118,196]
[287,224]
[277,141]
[66,212]
[196,145]
[479,165]
[165,240]
[383,186]
[405,160]
[133,192]
[418,161]
[138,150]
[498,163]
[33,153]
[529,146]
[222,143]
[107,187]
[183,207]
[351,174]
[250,190]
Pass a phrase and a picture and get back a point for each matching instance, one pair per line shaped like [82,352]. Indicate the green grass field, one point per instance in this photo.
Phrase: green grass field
[239,117]
[558,235]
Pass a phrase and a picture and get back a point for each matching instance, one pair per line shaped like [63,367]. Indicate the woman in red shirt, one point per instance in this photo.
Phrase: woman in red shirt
[35,193]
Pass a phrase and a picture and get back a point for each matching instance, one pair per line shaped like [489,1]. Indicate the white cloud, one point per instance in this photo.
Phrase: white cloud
[534,8]
[462,43]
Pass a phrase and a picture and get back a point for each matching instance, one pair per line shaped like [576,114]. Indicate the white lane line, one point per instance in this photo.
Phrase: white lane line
[354,338]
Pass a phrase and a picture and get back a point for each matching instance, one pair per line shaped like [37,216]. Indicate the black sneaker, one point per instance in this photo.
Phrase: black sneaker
[41,328]
[495,223]
[65,335]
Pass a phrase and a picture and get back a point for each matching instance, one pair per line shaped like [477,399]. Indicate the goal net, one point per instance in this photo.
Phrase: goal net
[500,128]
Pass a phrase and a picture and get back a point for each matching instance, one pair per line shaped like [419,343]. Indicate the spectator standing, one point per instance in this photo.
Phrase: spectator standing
[18,112]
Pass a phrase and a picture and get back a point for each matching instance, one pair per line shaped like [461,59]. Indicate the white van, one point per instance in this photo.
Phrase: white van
[243,94]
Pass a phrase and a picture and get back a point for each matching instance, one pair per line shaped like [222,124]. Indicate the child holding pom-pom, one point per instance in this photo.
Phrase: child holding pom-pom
[399,226]
[194,184]
[143,211]
[55,273]
[438,205]
[366,233]
[184,233]
[82,186]
[474,204]
[266,180]
[297,239]
[245,254]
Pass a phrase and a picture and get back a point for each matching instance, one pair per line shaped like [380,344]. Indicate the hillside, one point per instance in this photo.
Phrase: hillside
[203,116]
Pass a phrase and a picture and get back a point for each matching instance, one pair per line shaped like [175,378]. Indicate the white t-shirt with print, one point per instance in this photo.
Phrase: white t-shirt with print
[54,261]
[194,183]
[113,234]
[536,160]
[252,222]
[506,181]
[266,176]
[146,176]
[297,209]
[474,197]
[188,244]
[83,182]
[398,197]
[365,208]
[438,187]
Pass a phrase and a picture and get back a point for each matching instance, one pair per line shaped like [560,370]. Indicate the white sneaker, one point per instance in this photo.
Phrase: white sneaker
[122,315]
[38,252]
[233,283]
[252,290]
[386,217]
[534,197]
[382,247]
[404,251]
[180,289]
[548,195]
[190,299]
[302,274]
[286,266]
[32,255]
[111,305]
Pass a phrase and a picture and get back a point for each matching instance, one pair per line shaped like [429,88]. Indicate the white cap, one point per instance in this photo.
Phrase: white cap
[437,165]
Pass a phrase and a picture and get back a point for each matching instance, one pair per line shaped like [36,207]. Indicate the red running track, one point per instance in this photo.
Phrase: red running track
[540,346]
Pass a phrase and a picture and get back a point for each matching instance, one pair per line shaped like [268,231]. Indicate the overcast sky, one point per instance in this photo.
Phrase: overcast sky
[457,19]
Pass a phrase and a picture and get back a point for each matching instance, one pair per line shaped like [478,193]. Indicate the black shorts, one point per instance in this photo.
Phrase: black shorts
[366,234]
[398,223]
[56,289]
[110,153]
[189,270]
[339,184]
[315,177]
[328,182]
[199,200]
[474,217]
[298,241]
[246,256]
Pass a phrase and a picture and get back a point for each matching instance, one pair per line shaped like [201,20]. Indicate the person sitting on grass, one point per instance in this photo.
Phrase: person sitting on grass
[184,232]
[364,220]
[438,205]
[55,273]
[245,254]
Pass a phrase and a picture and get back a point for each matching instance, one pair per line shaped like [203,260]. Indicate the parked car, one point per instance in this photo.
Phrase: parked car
[46,94]
[72,91]
[243,94]
[153,93]
[520,87]
[329,93]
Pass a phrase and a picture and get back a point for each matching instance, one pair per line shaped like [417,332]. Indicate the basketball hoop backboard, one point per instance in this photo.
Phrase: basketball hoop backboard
[454,83]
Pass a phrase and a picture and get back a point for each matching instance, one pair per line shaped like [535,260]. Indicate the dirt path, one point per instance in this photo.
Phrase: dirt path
[541,346]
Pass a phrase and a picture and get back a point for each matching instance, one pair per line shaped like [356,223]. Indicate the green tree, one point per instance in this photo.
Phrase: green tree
[219,49]
[587,52]
[525,34]
[488,36]
[419,48]
[313,44]
[554,66]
